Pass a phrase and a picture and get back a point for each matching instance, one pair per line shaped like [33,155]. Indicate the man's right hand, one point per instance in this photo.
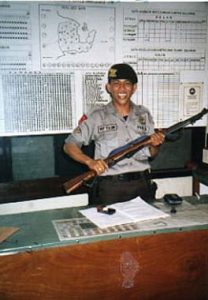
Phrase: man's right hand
[98,165]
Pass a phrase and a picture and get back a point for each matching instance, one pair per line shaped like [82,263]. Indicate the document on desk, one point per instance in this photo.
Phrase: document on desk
[134,210]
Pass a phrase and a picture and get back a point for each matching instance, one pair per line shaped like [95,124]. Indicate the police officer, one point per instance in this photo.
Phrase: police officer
[111,126]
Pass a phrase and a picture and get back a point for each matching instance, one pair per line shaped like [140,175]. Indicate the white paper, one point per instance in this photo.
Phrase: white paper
[126,212]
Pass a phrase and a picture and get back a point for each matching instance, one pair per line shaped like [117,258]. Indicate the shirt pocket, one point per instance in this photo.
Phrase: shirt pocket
[108,143]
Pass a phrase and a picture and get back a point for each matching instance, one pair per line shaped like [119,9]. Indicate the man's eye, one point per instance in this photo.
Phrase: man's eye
[128,83]
[116,84]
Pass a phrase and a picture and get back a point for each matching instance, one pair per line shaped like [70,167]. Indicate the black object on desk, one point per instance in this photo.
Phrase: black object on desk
[173,200]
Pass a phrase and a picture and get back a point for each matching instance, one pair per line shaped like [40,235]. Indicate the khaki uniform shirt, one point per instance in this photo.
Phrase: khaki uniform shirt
[110,131]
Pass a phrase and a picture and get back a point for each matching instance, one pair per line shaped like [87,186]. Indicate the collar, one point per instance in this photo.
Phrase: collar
[110,108]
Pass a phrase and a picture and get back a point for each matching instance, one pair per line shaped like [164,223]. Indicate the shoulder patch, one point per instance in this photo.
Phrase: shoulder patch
[82,119]
[77,130]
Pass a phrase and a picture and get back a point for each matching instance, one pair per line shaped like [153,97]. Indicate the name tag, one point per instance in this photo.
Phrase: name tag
[107,128]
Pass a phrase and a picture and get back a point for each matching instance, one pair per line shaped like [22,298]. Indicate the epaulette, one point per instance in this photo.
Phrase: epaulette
[95,109]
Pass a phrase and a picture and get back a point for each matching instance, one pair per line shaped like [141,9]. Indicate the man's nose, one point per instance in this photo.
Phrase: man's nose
[122,85]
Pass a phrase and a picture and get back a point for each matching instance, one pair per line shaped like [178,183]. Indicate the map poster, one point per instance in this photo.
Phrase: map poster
[72,38]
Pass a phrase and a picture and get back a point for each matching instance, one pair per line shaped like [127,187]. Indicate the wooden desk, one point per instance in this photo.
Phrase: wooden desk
[162,259]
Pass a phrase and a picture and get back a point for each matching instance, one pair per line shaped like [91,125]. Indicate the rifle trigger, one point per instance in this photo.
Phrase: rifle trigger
[89,185]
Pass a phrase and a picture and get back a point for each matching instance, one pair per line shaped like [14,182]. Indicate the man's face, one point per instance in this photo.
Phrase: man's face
[121,90]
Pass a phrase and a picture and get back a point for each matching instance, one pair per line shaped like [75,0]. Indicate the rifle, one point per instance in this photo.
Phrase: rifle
[127,151]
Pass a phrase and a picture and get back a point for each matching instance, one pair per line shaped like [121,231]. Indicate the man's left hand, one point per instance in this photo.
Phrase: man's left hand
[157,138]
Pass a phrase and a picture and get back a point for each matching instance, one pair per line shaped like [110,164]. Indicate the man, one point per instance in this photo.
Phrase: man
[111,126]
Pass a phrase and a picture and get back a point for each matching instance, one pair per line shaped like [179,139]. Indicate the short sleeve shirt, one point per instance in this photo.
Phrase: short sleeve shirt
[109,130]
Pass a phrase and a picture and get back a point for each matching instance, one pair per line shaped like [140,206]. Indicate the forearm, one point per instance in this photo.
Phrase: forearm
[76,153]
[154,150]
[156,140]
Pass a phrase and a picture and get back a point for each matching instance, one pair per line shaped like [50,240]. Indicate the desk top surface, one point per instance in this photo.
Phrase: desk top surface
[60,227]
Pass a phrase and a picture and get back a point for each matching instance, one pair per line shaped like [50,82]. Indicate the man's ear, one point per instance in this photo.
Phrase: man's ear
[108,89]
[135,87]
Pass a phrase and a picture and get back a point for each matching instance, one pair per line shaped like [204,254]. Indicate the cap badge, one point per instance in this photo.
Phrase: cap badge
[112,73]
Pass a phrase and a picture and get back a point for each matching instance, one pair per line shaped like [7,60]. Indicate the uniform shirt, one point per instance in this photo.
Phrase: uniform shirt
[109,130]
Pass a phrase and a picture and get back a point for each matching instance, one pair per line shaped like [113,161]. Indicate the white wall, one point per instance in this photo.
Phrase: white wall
[180,185]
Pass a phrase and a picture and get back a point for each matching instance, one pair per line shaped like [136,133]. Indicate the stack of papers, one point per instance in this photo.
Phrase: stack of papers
[126,212]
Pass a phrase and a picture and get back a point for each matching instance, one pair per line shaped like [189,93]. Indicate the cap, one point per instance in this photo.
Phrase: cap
[122,71]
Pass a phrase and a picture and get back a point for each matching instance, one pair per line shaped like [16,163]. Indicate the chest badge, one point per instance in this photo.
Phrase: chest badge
[142,120]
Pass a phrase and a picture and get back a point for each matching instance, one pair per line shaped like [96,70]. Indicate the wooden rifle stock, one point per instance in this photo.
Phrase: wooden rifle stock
[127,151]
[78,181]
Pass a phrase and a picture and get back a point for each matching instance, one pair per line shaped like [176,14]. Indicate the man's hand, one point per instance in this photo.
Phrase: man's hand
[98,165]
[157,138]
